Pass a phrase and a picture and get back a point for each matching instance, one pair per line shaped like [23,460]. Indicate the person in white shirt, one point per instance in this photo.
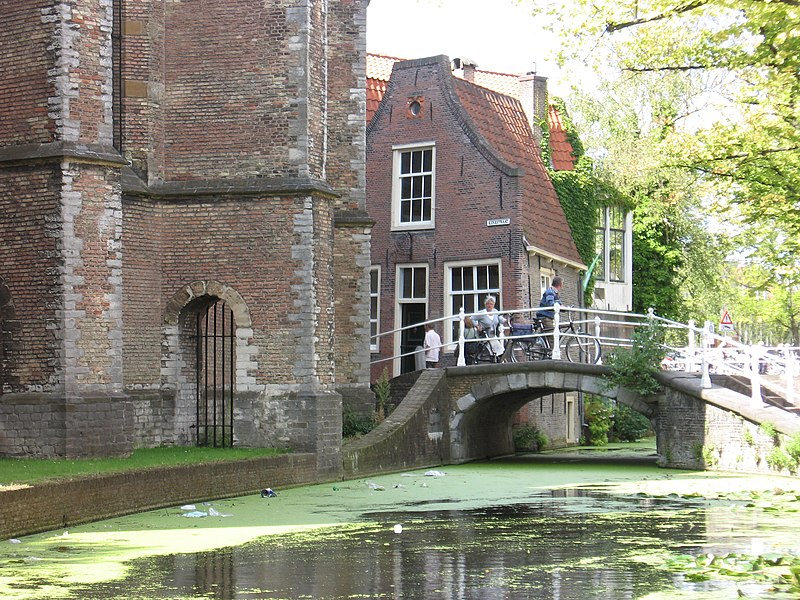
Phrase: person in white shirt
[432,345]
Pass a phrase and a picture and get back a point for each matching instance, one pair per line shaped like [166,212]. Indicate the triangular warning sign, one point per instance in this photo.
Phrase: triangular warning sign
[726,318]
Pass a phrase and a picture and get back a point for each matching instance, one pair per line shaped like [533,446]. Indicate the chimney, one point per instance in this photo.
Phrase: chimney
[465,68]
[533,96]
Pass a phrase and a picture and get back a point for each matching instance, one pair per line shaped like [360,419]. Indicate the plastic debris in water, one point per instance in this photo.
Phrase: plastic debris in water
[398,528]
[14,541]
[195,514]
[374,486]
[434,474]
[268,493]
[188,507]
[213,512]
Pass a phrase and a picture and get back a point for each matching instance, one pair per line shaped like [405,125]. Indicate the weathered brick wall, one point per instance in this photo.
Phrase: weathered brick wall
[55,505]
[549,414]
[214,103]
[24,64]
[275,252]
[143,299]
[31,424]
[91,333]
[30,222]
[415,435]
[693,434]
[242,140]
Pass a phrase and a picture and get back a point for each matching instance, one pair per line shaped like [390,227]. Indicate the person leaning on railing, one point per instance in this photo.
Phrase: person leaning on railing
[487,322]
[549,298]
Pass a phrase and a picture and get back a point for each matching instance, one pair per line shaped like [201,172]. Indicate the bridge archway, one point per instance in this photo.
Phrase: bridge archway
[480,423]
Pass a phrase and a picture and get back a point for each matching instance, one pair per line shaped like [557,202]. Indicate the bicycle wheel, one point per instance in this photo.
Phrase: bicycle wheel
[583,349]
[516,353]
[484,354]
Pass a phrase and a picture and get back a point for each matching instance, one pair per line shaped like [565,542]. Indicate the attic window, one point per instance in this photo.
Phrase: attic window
[415,107]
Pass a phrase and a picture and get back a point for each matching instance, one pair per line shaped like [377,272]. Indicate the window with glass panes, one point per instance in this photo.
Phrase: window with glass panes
[413,283]
[374,306]
[469,286]
[415,186]
[616,244]
[600,245]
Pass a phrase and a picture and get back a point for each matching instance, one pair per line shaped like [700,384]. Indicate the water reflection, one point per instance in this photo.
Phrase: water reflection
[564,545]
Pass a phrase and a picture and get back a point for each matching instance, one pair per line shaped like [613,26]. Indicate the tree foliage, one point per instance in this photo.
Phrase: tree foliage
[699,107]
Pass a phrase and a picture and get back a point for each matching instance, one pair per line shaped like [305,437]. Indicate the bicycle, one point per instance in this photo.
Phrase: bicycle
[532,342]
[481,351]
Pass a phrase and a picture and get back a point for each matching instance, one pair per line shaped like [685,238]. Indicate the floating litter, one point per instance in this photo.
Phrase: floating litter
[434,474]
[14,541]
[374,486]
[268,493]
[398,528]
[188,507]
[195,514]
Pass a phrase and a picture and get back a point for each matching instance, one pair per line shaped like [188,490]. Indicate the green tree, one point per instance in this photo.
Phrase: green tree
[709,89]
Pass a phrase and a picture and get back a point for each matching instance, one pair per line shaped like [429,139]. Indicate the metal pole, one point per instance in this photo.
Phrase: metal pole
[461,360]
[755,376]
[597,335]
[556,331]
[788,370]
[705,378]
[691,347]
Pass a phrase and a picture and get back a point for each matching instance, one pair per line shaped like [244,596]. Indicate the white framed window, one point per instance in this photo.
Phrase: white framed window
[467,285]
[410,312]
[374,306]
[610,233]
[545,279]
[412,283]
[413,185]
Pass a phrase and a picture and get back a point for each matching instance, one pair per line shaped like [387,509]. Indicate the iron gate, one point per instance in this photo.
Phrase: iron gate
[216,364]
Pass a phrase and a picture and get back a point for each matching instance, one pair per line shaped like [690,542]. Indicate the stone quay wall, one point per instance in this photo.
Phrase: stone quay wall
[60,504]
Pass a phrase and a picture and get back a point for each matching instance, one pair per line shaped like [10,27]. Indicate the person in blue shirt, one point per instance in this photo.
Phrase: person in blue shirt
[549,298]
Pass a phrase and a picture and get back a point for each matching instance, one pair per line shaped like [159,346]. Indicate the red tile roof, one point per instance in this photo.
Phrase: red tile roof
[502,122]
[379,70]
[560,149]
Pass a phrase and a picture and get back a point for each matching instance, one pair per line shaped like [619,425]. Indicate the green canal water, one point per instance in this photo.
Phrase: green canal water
[571,526]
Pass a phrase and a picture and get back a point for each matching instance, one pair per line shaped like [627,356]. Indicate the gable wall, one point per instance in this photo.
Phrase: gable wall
[467,194]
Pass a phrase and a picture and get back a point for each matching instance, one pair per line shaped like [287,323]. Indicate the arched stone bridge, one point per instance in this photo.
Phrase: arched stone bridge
[460,414]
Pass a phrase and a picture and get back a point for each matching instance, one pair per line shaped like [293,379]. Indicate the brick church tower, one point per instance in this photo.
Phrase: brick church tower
[183,241]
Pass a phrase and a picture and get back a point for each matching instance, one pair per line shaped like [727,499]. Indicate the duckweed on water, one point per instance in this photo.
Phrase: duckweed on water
[514,528]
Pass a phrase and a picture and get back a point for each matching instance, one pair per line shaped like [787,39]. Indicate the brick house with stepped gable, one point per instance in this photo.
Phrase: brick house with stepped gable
[492,218]
[182,225]
[613,272]
[494,225]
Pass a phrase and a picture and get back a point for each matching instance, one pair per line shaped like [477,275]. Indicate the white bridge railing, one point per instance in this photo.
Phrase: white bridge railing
[689,348]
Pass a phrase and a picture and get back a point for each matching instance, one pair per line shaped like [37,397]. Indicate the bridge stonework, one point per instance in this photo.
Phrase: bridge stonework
[461,414]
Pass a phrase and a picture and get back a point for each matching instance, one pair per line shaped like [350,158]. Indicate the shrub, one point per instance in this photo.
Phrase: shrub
[634,368]
[382,389]
[355,424]
[629,425]
[792,447]
[779,460]
[599,415]
[529,438]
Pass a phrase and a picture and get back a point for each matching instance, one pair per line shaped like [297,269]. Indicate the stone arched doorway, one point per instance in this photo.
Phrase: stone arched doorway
[204,346]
